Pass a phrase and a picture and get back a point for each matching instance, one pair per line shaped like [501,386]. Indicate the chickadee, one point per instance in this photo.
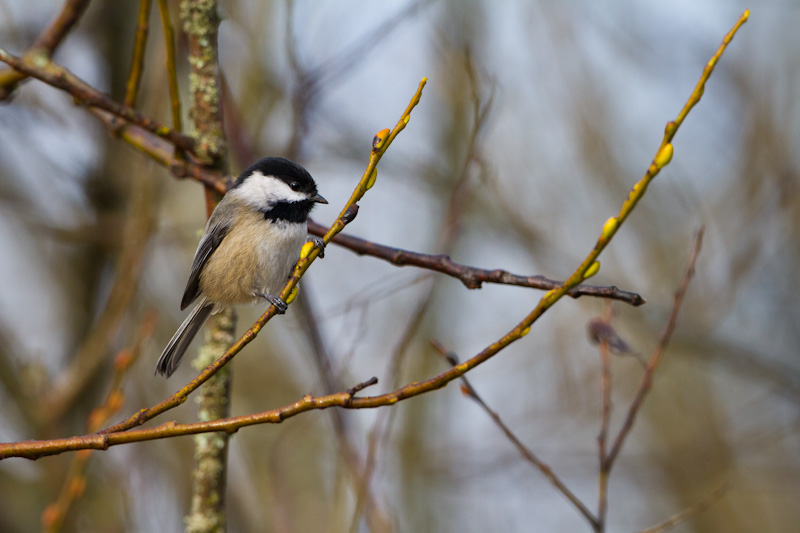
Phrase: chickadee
[249,247]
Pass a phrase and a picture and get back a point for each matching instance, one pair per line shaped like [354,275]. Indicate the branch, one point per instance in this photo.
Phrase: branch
[526,452]
[104,440]
[471,277]
[46,43]
[200,21]
[172,70]
[137,62]
[605,420]
[655,358]
[162,152]
[41,68]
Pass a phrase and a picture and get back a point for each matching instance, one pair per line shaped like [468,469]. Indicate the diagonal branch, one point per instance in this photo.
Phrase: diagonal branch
[41,68]
[46,43]
[526,452]
[137,61]
[162,152]
[655,358]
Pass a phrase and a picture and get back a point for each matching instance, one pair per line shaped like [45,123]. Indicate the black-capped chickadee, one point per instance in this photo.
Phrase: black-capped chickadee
[249,247]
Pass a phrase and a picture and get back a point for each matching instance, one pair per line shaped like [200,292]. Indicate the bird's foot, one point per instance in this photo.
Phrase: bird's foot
[319,243]
[280,305]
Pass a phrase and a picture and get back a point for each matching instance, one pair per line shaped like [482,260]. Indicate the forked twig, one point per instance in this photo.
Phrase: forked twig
[655,358]
[523,450]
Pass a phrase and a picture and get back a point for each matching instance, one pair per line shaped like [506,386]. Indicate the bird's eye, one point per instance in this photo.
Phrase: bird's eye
[295,185]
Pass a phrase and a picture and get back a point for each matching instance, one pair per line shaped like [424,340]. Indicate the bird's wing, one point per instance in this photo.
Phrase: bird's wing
[210,241]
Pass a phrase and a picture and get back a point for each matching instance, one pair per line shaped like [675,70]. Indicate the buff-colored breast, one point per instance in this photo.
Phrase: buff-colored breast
[257,255]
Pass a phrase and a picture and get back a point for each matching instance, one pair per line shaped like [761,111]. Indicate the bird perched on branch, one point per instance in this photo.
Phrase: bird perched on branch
[248,249]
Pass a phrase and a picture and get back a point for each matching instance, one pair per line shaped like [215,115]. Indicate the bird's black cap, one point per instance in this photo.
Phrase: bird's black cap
[283,169]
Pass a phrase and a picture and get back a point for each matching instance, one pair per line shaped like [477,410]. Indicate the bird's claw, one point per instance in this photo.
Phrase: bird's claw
[319,243]
[280,305]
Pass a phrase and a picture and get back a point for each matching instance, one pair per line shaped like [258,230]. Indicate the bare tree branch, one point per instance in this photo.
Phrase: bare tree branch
[41,68]
[524,451]
[655,358]
[471,277]
[46,43]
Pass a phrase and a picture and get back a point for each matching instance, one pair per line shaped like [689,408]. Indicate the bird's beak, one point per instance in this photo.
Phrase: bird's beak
[319,199]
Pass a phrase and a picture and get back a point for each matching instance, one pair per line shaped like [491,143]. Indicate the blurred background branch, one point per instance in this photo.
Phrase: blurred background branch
[46,43]
[74,485]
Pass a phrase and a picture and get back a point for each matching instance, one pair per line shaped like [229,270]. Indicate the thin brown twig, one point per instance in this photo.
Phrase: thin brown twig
[688,513]
[322,359]
[46,42]
[41,68]
[137,61]
[471,277]
[349,452]
[381,430]
[658,352]
[11,379]
[524,451]
[605,418]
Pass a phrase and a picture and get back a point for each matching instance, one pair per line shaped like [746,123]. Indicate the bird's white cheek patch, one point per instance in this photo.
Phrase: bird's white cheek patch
[265,191]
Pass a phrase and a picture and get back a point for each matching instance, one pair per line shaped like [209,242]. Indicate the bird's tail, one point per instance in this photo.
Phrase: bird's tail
[172,354]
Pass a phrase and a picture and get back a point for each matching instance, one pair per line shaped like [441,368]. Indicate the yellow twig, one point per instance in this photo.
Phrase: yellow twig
[139,46]
[172,75]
